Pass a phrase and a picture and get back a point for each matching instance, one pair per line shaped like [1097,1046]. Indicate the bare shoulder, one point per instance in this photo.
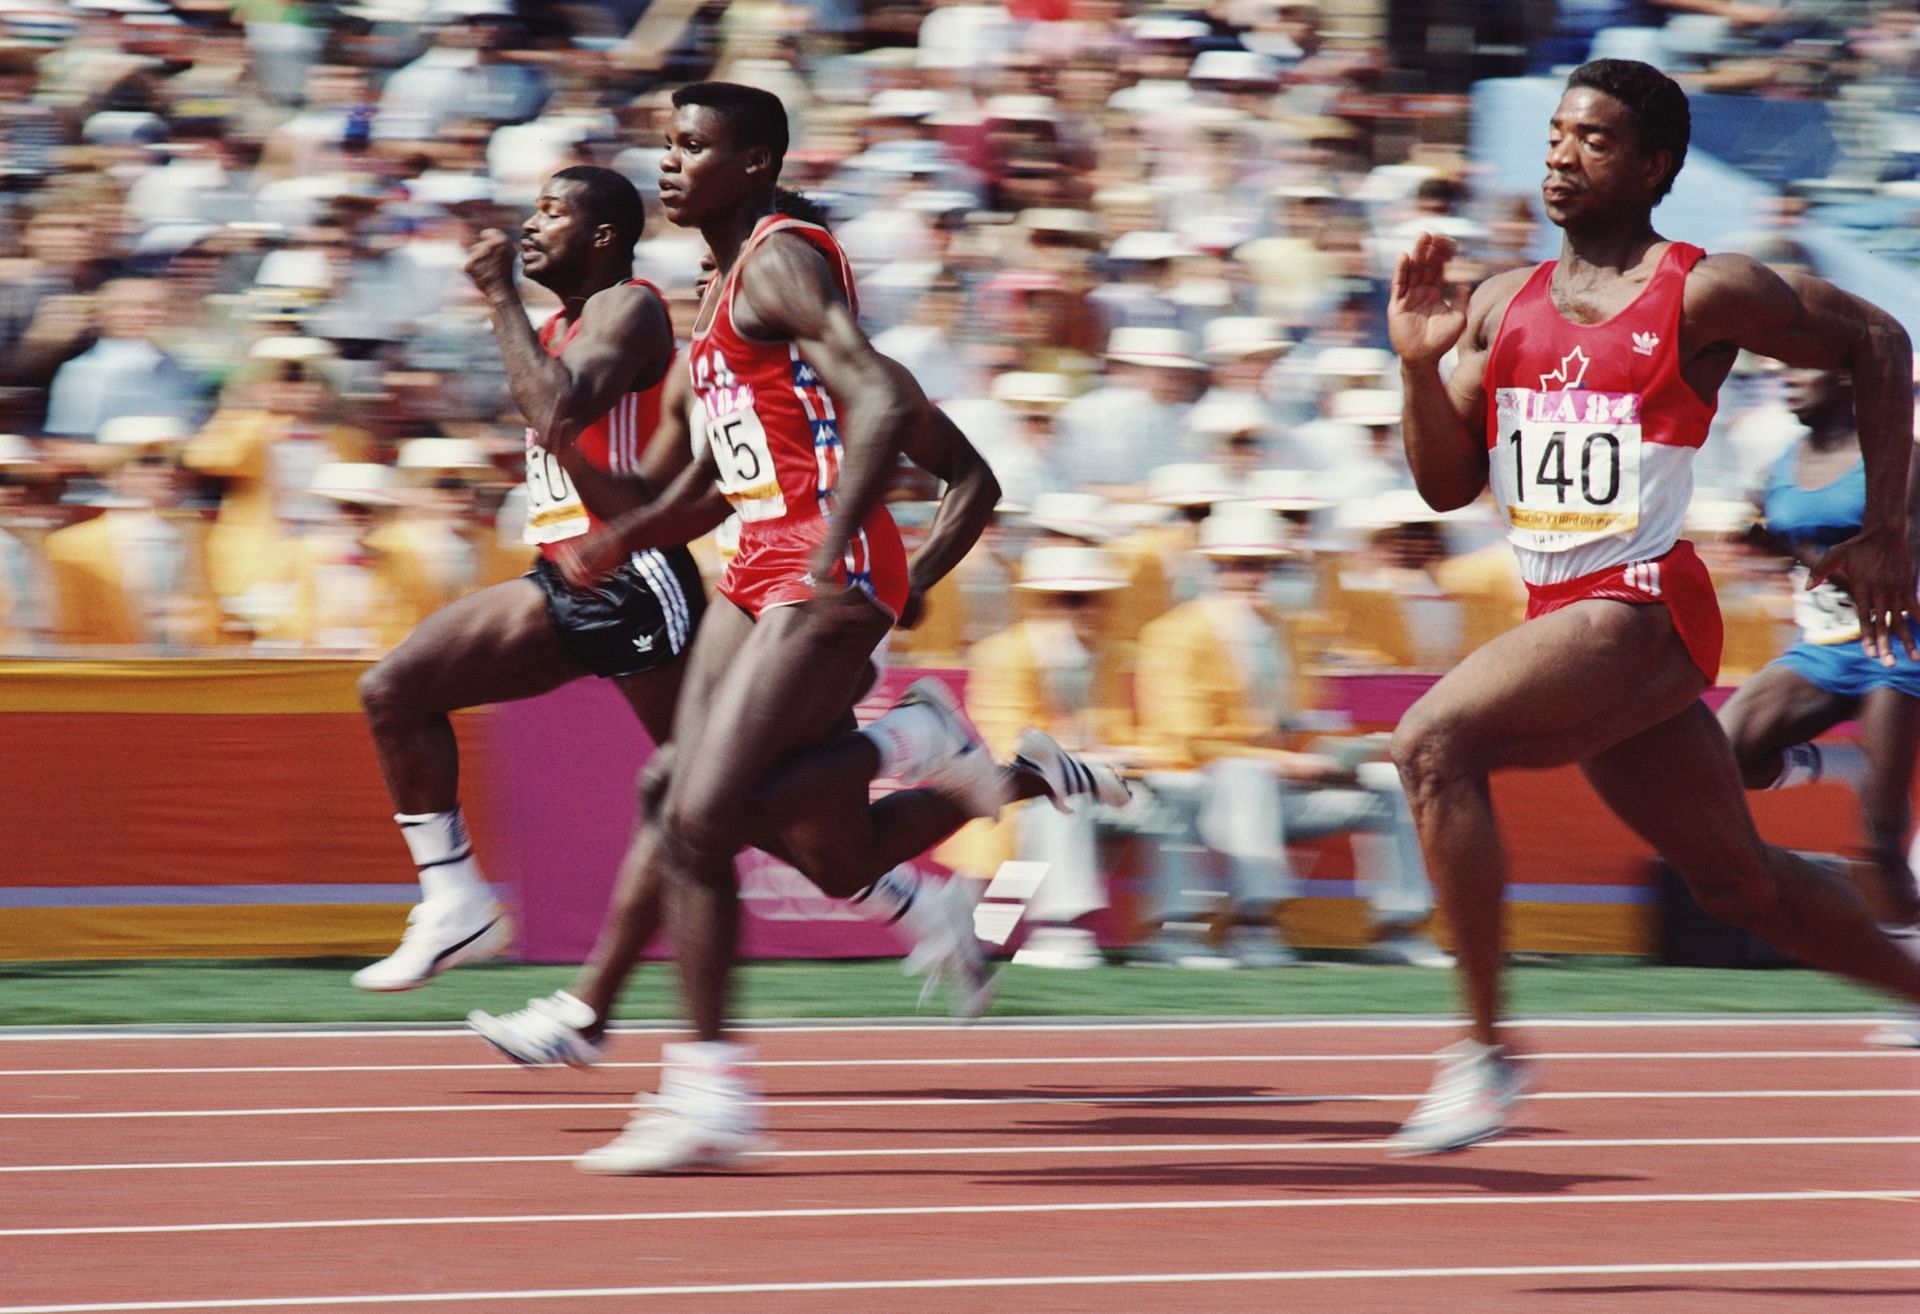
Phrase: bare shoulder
[623,299]
[791,259]
[1729,279]
[1489,302]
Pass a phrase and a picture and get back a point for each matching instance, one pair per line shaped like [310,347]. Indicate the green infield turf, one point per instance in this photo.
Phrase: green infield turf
[265,991]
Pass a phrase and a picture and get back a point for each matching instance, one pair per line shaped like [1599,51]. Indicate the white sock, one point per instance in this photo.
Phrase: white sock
[1799,765]
[708,1079]
[443,852]
[909,738]
[890,898]
[1847,763]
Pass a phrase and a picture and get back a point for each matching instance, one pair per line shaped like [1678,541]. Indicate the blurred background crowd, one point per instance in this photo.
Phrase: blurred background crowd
[248,400]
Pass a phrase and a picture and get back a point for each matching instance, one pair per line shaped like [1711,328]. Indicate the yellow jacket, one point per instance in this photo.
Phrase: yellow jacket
[1004,696]
[92,603]
[495,562]
[396,598]
[1191,696]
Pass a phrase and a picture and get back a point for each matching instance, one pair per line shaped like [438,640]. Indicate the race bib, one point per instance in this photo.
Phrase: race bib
[747,476]
[554,509]
[1566,466]
[1825,612]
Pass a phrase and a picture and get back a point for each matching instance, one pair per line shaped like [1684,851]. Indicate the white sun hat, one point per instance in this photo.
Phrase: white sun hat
[137,431]
[1163,348]
[354,483]
[1289,490]
[1033,389]
[1085,516]
[1221,417]
[1368,406]
[435,455]
[291,347]
[1352,362]
[1052,569]
[1189,483]
[1244,530]
[1235,337]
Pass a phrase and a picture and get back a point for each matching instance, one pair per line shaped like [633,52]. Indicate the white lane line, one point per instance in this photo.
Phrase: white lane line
[983,1283]
[499,1065]
[1892,1194]
[951,1101]
[998,1151]
[987,1026]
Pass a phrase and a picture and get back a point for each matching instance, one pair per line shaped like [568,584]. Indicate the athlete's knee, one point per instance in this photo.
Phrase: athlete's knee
[699,838]
[1745,894]
[388,690]
[1431,750]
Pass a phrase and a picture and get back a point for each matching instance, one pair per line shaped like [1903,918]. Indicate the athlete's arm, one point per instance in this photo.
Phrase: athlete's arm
[668,452]
[1443,421]
[1734,301]
[624,344]
[792,294]
[937,446]
[691,506]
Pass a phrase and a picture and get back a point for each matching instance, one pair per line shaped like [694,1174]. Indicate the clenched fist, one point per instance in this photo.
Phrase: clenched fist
[490,265]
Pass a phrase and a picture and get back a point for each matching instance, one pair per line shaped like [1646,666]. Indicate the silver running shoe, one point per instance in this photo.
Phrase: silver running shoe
[946,952]
[1068,778]
[545,1034]
[965,770]
[1476,1088]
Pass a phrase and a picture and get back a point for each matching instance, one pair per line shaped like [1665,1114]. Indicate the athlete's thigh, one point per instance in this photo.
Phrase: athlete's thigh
[1560,687]
[1779,707]
[1677,786]
[787,686]
[724,632]
[493,646]
[654,696]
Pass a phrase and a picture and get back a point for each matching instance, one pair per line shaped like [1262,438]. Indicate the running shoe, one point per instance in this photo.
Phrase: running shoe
[545,1034]
[1407,949]
[1476,1088]
[964,769]
[946,952]
[1901,1034]
[441,933]
[1068,778]
[663,1140]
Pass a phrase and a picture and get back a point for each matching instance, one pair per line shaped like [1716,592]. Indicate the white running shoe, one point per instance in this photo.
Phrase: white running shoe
[965,770]
[663,1140]
[1902,1034]
[1477,1086]
[545,1034]
[946,949]
[1068,777]
[441,933]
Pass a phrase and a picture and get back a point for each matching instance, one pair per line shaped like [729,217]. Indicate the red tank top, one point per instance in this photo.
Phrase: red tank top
[612,443]
[774,430]
[1592,431]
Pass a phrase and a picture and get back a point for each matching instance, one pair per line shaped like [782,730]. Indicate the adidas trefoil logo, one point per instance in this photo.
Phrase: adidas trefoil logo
[1644,343]
[643,642]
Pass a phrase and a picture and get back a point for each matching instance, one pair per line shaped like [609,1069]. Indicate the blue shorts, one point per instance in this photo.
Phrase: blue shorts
[1844,669]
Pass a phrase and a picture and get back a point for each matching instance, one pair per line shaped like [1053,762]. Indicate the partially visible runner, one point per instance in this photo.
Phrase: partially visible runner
[568,1025]
[589,384]
[1582,390]
[804,425]
[1815,497]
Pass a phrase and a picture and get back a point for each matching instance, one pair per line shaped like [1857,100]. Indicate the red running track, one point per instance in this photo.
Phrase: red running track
[1684,1165]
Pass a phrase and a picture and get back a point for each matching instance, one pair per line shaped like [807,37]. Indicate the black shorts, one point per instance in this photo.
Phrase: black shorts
[639,618]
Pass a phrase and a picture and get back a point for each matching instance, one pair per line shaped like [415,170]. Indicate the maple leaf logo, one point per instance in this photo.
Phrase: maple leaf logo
[1567,376]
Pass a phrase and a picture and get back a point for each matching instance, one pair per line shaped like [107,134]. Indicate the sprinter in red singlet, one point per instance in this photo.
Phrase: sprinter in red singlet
[802,427]
[589,385]
[1582,390]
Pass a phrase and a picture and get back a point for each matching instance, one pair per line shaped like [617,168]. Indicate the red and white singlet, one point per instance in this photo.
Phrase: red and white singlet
[1590,446]
[775,436]
[612,443]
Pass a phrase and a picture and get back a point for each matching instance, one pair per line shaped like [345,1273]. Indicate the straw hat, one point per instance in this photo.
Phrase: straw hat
[1162,348]
[1188,484]
[1222,417]
[1352,362]
[1076,515]
[1048,569]
[1288,490]
[22,459]
[439,455]
[354,483]
[1033,390]
[1243,530]
[299,350]
[1148,246]
[1235,337]
[1368,406]
[135,432]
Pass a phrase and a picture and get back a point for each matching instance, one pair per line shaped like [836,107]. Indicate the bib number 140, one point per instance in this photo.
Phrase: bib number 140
[1595,482]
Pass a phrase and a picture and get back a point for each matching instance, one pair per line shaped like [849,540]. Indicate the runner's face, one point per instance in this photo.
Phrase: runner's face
[703,173]
[557,241]
[1595,169]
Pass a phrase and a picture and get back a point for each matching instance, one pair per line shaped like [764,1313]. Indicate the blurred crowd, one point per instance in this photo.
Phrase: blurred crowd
[1139,252]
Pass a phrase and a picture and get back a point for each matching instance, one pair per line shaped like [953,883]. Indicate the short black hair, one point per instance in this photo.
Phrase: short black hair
[608,198]
[1658,107]
[753,117]
[798,205]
